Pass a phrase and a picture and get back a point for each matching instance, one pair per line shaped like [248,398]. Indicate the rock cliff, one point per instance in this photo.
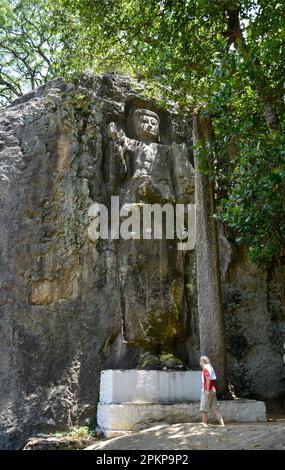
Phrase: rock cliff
[67,305]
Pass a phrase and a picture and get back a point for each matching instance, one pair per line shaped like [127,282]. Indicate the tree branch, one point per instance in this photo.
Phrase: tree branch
[235,36]
[10,86]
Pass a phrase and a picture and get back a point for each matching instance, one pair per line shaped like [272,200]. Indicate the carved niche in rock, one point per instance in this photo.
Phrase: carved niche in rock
[144,170]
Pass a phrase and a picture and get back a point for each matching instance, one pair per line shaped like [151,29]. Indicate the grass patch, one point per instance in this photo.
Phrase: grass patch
[77,432]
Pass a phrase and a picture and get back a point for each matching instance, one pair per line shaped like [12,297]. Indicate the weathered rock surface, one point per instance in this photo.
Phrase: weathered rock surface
[254,308]
[61,297]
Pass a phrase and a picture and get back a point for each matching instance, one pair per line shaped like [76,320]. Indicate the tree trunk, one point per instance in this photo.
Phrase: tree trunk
[211,320]
[235,36]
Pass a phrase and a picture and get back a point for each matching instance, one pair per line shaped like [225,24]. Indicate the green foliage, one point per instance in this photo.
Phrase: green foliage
[226,55]
[76,432]
[249,163]
[254,203]
[79,102]
[26,47]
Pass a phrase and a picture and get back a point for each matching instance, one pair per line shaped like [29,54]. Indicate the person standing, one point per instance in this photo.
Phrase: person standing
[208,394]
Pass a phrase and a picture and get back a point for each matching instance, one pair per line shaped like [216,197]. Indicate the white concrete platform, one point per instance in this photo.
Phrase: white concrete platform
[149,386]
[136,399]
[116,419]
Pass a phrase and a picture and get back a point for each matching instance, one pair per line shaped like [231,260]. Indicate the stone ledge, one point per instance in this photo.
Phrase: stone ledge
[115,419]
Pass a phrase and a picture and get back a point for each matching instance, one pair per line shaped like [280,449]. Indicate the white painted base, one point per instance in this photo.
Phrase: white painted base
[135,399]
[149,386]
[115,419]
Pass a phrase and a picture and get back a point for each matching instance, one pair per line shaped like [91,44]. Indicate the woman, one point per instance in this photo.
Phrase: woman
[208,395]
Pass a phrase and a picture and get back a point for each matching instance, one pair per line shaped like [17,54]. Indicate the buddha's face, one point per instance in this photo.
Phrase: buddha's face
[146,126]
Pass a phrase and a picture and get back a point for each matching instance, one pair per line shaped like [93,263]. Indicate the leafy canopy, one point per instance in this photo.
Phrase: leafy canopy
[226,56]
[26,46]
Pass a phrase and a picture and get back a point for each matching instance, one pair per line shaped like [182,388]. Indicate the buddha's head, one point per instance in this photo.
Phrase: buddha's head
[146,124]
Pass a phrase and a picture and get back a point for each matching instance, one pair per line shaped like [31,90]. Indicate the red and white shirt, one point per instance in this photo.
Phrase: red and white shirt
[208,372]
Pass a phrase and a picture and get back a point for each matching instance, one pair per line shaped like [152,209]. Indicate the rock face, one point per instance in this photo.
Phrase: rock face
[67,305]
[255,325]
[63,298]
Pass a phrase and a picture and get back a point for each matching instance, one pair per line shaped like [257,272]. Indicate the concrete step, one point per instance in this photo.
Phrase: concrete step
[114,419]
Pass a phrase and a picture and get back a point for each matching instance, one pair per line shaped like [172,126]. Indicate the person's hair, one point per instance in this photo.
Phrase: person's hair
[204,360]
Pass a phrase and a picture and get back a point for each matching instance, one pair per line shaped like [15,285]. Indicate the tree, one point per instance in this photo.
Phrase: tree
[211,318]
[228,56]
[27,47]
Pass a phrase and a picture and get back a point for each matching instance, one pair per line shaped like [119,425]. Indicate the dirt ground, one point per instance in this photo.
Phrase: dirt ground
[194,436]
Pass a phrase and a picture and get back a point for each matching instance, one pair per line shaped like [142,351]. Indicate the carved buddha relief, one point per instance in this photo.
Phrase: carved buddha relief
[143,170]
